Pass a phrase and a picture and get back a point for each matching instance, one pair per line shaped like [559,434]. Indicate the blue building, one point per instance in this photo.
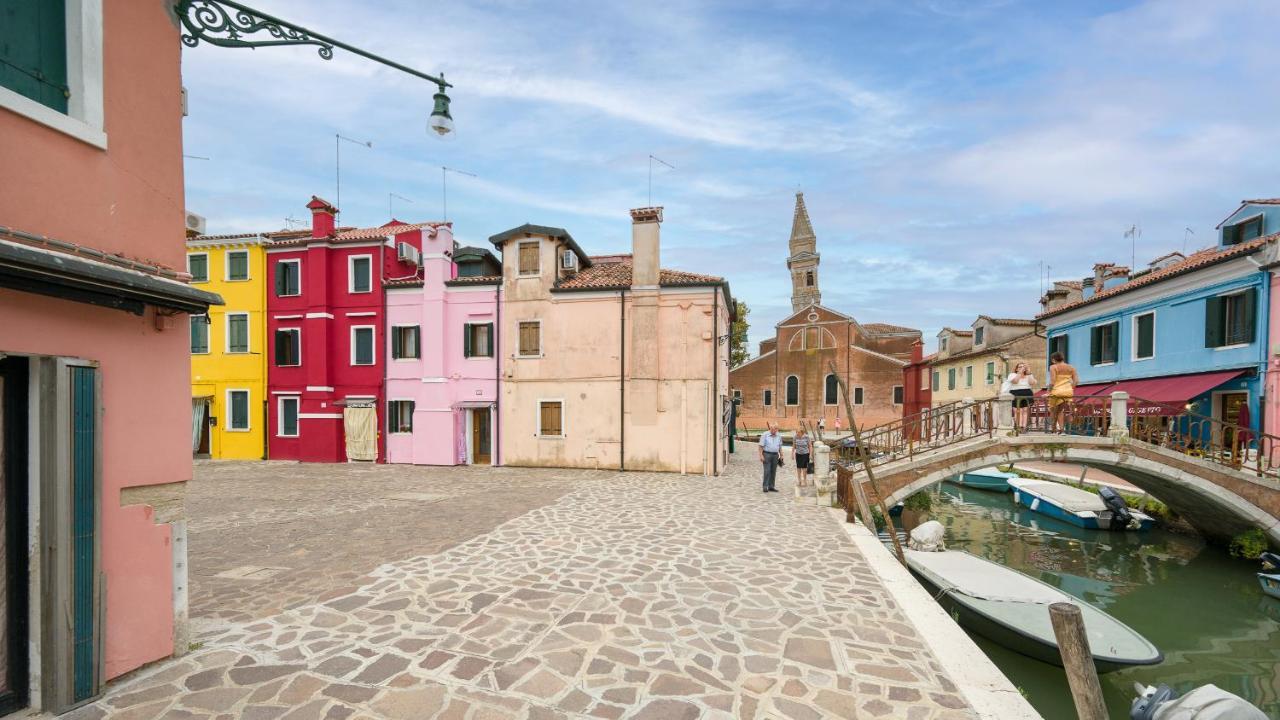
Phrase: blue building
[1188,332]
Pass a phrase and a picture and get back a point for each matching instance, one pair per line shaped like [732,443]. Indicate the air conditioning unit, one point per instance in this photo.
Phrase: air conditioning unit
[568,260]
[408,253]
[195,223]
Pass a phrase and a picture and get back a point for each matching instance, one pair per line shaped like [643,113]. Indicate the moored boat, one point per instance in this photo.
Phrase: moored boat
[992,479]
[1078,507]
[1269,579]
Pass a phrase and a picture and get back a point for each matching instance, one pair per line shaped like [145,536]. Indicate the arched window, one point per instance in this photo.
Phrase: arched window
[831,391]
[793,390]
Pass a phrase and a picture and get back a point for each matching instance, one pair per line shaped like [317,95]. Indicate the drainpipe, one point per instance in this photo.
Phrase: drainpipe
[622,379]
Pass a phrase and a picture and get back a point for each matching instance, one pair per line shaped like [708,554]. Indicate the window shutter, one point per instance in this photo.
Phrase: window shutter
[1250,303]
[417,341]
[1095,345]
[33,51]
[488,340]
[1113,343]
[281,287]
[1213,322]
[467,347]
[282,352]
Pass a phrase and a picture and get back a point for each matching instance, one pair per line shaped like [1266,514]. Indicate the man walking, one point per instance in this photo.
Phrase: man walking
[770,455]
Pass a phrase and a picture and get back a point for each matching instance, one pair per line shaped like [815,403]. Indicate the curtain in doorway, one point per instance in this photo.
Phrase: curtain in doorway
[199,415]
[361,426]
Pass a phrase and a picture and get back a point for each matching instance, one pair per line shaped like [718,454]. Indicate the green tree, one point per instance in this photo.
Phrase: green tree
[738,352]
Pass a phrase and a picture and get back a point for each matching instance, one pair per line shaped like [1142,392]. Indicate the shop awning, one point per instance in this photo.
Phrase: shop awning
[1170,393]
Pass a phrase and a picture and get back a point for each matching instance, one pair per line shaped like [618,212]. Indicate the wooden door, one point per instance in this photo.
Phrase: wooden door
[481,437]
[1230,404]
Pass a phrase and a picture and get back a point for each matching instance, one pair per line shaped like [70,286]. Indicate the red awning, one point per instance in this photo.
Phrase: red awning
[1173,391]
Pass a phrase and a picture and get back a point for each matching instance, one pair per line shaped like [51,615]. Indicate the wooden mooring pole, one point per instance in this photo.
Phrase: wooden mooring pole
[1077,660]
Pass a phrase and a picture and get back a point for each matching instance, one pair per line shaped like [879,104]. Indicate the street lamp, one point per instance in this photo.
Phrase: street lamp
[226,23]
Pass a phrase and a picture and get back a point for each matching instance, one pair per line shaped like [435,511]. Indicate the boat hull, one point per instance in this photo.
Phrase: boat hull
[1270,584]
[1089,520]
[982,482]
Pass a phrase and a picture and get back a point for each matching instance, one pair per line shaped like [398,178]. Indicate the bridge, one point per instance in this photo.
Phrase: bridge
[1222,478]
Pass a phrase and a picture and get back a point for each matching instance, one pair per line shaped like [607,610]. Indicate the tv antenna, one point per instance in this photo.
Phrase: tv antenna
[337,165]
[653,158]
[390,195]
[195,157]
[292,223]
[444,187]
[1133,233]
[1188,232]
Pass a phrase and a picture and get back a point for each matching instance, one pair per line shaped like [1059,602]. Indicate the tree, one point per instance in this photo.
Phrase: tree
[738,351]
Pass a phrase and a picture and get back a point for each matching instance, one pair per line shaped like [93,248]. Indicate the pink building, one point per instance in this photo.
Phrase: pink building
[325,330]
[442,372]
[95,371]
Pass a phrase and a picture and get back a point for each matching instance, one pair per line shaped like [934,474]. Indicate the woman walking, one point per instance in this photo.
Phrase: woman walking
[1021,385]
[802,446]
[1062,388]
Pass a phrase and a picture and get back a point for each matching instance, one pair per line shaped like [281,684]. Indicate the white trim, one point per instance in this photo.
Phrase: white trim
[537,419]
[784,391]
[1109,321]
[538,244]
[294,261]
[351,274]
[190,255]
[288,317]
[297,416]
[226,266]
[373,344]
[248,333]
[318,416]
[311,315]
[362,314]
[286,392]
[435,256]
[248,411]
[319,388]
[297,330]
[1133,336]
[434,379]
[539,354]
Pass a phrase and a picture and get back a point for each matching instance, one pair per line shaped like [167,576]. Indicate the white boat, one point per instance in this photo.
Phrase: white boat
[1073,505]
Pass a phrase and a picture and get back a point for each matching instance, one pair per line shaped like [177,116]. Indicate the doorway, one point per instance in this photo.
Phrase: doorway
[360,425]
[481,436]
[1232,408]
[200,420]
[13,534]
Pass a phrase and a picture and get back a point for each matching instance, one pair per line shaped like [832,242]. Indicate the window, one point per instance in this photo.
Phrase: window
[198,267]
[530,338]
[287,417]
[33,52]
[360,273]
[362,345]
[924,380]
[288,347]
[942,344]
[768,398]
[405,343]
[737,396]
[1144,336]
[857,396]
[937,381]
[1104,343]
[831,390]
[199,334]
[1230,319]
[400,416]
[1058,344]
[238,410]
[951,378]
[991,373]
[237,265]
[898,395]
[968,376]
[551,418]
[237,332]
[477,340]
[288,278]
[978,334]
[808,278]
[793,390]
[1243,231]
[529,258]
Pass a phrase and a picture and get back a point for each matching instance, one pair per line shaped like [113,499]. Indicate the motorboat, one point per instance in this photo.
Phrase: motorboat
[1104,510]
[992,479]
[1269,579]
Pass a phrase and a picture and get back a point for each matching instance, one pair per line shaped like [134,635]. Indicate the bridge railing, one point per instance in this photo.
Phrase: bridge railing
[926,430]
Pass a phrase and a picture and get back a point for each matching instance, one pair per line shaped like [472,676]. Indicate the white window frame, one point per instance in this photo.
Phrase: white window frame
[85,116]
[411,414]
[373,344]
[297,415]
[351,274]
[1133,336]
[204,255]
[297,330]
[564,419]
[391,344]
[521,244]
[858,390]
[894,394]
[207,345]
[529,320]
[1223,296]
[248,411]
[226,266]
[293,261]
[248,333]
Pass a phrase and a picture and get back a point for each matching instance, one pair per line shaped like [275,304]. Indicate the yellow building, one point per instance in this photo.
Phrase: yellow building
[972,364]
[228,348]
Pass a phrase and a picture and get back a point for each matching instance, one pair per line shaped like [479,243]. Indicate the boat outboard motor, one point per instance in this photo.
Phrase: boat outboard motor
[1120,515]
[1207,702]
[1270,561]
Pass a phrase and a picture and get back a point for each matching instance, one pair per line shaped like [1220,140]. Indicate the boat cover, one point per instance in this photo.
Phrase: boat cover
[984,579]
[1073,500]
[1208,702]
[928,537]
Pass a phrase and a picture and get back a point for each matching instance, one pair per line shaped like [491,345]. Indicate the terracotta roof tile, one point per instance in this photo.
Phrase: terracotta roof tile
[1007,321]
[475,280]
[381,231]
[403,282]
[879,328]
[1197,260]
[614,271]
[1263,201]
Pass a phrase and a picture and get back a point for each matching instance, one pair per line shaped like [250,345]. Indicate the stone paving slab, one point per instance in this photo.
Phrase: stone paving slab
[635,595]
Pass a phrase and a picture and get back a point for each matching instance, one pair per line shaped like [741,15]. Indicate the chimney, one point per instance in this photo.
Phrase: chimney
[645,268]
[917,352]
[1100,272]
[322,217]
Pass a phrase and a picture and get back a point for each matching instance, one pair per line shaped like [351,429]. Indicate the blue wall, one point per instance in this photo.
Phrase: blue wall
[1270,218]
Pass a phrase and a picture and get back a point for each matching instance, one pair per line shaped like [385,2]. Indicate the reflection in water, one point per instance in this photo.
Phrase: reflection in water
[1202,608]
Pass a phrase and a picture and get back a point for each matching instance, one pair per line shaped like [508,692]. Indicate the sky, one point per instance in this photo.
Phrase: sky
[952,153]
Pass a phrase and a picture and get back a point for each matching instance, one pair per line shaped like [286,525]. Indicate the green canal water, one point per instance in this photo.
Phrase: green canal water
[1201,607]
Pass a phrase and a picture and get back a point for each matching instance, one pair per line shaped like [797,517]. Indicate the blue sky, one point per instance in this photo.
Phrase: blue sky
[946,148]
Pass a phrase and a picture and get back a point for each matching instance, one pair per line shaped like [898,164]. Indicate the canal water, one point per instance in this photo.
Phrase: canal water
[1201,607]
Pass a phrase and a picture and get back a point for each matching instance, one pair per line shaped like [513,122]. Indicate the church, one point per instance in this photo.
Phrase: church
[791,380]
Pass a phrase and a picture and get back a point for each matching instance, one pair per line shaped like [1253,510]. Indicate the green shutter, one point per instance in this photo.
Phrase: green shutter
[1250,315]
[33,50]
[1145,331]
[1095,345]
[1213,318]
[84,527]
[281,350]
[1113,342]
[466,341]
[489,332]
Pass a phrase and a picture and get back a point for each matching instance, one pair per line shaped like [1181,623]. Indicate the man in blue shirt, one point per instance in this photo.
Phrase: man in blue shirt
[770,455]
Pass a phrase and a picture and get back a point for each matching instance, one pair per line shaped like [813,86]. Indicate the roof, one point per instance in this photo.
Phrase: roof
[1263,201]
[1197,261]
[1006,321]
[957,333]
[348,234]
[886,328]
[529,229]
[615,274]
[1074,284]
[403,282]
[988,349]
[472,251]
[200,240]
[475,280]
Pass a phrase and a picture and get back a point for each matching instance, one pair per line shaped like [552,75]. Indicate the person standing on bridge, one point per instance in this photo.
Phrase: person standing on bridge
[1020,384]
[770,456]
[1062,388]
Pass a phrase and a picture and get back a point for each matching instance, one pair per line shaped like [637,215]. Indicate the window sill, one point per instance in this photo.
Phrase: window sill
[551,437]
[288,437]
[1102,364]
[47,116]
[237,430]
[236,280]
[529,357]
[237,352]
[289,366]
[289,296]
[363,364]
[1236,346]
[1142,359]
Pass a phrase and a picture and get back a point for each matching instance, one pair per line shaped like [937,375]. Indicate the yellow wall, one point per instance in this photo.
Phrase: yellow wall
[219,371]
[1030,352]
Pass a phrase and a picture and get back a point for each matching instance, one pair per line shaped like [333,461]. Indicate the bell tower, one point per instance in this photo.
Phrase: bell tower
[803,262]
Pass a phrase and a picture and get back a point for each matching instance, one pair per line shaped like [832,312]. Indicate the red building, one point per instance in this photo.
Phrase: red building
[325,333]
[917,392]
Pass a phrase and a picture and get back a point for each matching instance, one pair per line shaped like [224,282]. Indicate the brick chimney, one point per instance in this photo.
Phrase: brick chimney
[917,352]
[1100,273]
[645,255]
[322,217]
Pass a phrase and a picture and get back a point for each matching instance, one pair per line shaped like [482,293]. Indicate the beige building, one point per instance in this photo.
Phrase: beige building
[610,361]
[973,363]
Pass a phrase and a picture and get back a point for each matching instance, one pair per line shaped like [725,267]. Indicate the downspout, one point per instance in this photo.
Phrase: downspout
[622,379]
[715,379]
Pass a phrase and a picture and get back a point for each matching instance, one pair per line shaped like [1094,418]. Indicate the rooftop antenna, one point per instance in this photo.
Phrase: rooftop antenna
[1133,233]
[1185,235]
[291,222]
[652,158]
[337,164]
[195,157]
[444,187]
[390,195]
[1043,275]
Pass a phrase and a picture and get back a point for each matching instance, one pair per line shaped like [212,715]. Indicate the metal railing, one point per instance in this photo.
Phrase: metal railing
[926,430]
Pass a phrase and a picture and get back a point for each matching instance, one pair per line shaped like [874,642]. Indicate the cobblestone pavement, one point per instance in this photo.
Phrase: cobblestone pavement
[642,596]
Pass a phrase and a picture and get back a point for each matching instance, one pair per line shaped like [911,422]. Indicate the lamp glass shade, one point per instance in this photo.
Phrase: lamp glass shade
[441,121]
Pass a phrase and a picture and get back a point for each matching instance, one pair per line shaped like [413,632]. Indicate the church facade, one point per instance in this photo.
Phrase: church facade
[792,380]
